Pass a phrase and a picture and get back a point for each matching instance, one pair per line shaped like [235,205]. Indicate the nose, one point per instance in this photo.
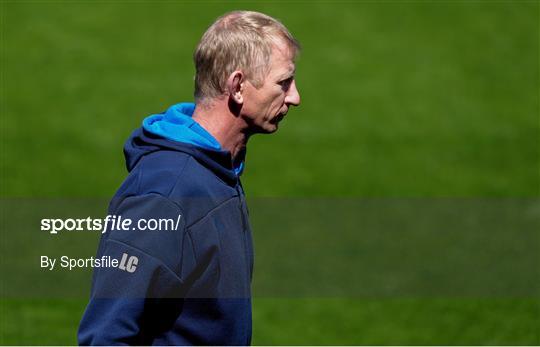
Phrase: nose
[292,97]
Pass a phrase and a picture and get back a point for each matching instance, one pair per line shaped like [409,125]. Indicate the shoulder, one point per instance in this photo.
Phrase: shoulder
[158,172]
[180,178]
[175,174]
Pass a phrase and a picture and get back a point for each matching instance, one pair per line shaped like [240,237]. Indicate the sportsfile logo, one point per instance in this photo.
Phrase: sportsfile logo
[110,222]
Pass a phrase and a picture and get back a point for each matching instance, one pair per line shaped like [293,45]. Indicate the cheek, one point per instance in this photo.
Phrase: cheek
[277,99]
[267,102]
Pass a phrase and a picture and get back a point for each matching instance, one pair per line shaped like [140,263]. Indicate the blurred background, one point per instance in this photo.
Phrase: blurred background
[400,99]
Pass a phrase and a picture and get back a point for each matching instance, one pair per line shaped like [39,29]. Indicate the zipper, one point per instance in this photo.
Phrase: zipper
[248,243]
[241,207]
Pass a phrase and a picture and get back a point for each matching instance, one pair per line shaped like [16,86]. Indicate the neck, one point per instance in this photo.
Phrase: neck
[229,129]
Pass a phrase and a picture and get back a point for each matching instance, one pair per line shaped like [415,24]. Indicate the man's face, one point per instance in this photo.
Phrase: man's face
[265,107]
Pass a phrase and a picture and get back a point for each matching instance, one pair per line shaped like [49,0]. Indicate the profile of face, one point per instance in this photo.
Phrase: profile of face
[264,107]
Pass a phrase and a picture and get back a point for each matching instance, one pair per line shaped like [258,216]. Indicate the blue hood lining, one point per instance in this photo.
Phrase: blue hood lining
[177,124]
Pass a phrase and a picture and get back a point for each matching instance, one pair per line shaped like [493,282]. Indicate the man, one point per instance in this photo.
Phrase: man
[189,283]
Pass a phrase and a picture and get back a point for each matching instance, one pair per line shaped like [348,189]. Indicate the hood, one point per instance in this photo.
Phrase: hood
[177,125]
[176,130]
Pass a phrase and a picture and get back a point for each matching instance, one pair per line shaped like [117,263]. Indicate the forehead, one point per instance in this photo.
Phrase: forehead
[281,60]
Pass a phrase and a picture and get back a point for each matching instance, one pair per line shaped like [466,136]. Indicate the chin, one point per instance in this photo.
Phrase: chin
[272,128]
[268,128]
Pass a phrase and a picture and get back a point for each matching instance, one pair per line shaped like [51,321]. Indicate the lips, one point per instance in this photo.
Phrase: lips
[279,117]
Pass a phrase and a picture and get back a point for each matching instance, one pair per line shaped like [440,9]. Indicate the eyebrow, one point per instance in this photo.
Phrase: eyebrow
[287,75]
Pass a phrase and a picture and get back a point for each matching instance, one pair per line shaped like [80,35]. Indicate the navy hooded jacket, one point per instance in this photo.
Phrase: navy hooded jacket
[188,285]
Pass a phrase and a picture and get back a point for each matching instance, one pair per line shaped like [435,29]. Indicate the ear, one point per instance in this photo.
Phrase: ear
[235,84]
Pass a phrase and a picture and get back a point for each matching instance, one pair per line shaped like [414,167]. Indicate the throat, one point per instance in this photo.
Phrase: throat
[229,130]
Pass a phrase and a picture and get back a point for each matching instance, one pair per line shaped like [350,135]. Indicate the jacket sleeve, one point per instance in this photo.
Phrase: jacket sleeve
[149,268]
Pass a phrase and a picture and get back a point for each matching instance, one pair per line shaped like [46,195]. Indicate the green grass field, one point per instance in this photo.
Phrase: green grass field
[418,99]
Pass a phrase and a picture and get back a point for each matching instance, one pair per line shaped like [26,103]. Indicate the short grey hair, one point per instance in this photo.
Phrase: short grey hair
[238,40]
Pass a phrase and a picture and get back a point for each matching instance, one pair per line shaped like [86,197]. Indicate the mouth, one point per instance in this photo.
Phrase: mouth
[278,118]
[282,115]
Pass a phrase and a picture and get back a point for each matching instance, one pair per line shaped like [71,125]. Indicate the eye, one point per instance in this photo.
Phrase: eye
[286,83]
